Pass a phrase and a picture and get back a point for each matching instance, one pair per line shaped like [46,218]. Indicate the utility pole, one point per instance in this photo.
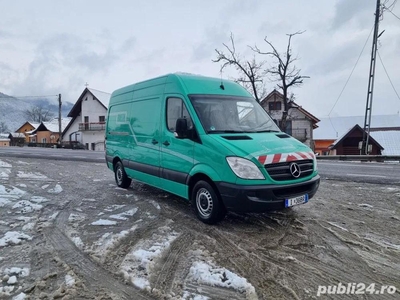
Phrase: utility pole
[368,108]
[59,119]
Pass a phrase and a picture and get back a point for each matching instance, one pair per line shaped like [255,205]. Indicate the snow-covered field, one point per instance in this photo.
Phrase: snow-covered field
[67,232]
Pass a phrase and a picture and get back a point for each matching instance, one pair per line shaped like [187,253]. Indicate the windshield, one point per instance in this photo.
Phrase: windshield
[229,114]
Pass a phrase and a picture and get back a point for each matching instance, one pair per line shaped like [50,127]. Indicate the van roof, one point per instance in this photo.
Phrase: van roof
[189,84]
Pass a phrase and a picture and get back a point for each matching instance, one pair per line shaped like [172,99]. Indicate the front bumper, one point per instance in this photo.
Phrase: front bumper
[262,198]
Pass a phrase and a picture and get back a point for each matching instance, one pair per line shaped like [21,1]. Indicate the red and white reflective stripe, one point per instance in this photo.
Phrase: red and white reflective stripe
[284,157]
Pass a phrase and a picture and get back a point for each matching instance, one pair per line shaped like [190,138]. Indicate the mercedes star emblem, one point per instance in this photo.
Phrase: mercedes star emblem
[295,170]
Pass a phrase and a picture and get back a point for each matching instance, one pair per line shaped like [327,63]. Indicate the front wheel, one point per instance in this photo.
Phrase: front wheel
[122,180]
[207,204]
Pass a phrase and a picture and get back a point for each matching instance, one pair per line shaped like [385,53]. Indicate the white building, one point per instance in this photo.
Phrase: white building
[88,120]
[300,123]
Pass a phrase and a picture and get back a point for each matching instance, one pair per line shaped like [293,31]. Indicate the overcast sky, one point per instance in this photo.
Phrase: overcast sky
[50,47]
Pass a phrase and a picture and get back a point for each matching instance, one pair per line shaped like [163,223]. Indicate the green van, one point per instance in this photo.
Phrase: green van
[206,140]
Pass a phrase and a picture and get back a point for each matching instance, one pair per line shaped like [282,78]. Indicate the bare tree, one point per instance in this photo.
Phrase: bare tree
[284,71]
[38,114]
[250,71]
[3,127]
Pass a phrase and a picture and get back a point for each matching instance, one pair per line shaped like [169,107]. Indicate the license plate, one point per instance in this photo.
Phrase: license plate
[296,200]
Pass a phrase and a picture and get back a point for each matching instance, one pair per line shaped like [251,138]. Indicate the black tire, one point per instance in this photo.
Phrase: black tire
[122,180]
[207,203]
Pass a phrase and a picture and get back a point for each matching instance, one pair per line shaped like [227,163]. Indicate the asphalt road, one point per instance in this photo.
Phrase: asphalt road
[53,154]
[368,172]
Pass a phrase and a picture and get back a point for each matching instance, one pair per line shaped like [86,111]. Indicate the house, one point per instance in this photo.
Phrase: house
[333,128]
[349,143]
[88,121]
[48,132]
[17,138]
[4,141]
[26,129]
[300,123]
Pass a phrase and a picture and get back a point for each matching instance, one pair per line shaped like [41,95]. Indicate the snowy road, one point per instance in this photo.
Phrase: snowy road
[66,231]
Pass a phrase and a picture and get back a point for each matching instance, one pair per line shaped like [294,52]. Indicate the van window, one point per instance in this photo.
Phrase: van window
[177,109]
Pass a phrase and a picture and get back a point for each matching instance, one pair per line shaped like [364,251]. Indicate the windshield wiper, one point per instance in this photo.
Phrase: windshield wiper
[226,131]
[267,130]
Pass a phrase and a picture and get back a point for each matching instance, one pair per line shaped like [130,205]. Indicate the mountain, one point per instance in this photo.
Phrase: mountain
[12,109]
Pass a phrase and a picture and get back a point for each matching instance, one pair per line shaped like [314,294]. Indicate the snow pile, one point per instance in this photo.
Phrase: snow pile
[10,192]
[3,164]
[123,216]
[4,174]
[104,222]
[69,280]
[208,273]
[56,190]
[13,238]
[114,207]
[138,264]
[33,175]
[26,206]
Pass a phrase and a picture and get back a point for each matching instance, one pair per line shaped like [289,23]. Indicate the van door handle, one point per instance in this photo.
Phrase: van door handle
[154,142]
[166,143]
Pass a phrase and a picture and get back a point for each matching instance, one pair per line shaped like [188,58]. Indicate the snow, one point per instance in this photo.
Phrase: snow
[137,265]
[191,296]
[38,199]
[103,222]
[12,280]
[208,273]
[56,190]
[78,242]
[20,272]
[338,226]
[114,207]
[123,216]
[33,175]
[75,217]
[21,296]
[5,174]
[4,202]
[13,238]
[69,280]
[3,164]
[26,206]
[11,192]
[6,290]
[109,241]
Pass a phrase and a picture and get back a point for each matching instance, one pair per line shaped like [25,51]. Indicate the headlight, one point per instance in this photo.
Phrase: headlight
[315,163]
[244,168]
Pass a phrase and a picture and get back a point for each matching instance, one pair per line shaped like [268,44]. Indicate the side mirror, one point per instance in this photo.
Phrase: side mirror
[181,128]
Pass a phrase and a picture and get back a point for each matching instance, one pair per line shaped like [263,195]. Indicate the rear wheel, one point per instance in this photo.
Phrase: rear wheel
[207,203]
[122,180]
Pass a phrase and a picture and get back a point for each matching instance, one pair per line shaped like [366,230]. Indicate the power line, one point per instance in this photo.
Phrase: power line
[18,97]
[347,81]
[387,74]
[394,14]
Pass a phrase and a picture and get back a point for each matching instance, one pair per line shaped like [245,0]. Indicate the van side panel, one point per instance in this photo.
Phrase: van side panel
[144,158]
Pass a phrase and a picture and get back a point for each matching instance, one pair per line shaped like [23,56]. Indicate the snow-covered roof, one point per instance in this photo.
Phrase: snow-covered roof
[390,141]
[17,134]
[53,125]
[103,97]
[335,127]
[4,140]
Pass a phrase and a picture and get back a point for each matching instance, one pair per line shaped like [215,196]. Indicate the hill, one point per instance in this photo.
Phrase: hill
[12,109]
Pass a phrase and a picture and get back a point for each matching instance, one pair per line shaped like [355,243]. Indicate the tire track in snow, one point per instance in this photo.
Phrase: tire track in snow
[171,262]
[93,274]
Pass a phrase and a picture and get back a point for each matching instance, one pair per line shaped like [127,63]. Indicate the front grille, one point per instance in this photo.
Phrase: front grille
[281,171]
